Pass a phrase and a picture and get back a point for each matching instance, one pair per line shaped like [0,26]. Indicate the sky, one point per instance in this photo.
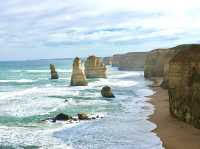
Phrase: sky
[35,29]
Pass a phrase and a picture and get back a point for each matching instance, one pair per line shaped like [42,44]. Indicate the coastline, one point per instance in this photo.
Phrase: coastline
[173,133]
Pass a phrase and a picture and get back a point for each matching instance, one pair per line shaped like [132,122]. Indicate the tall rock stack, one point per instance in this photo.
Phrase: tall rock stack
[94,68]
[54,74]
[78,77]
[184,85]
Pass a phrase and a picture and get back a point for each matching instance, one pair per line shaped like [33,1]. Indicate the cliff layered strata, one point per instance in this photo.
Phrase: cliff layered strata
[184,85]
[94,68]
[78,77]
[132,61]
[157,63]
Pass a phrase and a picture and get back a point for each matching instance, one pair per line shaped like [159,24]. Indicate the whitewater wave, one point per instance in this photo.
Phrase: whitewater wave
[40,134]
[20,136]
[47,99]
[41,71]
[18,81]
[144,92]
[113,82]
[126,74]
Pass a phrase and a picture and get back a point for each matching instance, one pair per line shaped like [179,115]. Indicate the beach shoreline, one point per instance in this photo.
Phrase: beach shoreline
[173,133]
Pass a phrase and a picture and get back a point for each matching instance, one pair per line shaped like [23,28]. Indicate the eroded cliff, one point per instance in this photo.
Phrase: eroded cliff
[184,85]
[157,63]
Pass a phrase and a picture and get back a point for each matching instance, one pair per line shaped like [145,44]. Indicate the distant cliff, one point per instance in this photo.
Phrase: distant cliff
[132,61]
[184,84]
[157,63]
[107,60]
[116,60]
[129,61]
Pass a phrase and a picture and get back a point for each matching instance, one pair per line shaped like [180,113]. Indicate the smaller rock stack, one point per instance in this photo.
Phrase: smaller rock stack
[54,74]
[78,77]
[106,91]
[94,68]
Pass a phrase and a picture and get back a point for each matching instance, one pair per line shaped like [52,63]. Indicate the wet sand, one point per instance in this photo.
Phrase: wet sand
[174,134]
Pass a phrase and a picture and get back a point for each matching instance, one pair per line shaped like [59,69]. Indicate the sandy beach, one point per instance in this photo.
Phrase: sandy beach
[174,134]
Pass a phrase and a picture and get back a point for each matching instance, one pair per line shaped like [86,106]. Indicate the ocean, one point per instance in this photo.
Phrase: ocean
[28,97]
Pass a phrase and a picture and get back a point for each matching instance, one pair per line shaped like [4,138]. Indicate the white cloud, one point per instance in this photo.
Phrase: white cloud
[26,23]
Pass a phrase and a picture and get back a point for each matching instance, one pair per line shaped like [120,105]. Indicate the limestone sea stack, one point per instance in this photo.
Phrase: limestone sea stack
[106,91]
[94,68]
[54,74]
[184,85]
[78,77]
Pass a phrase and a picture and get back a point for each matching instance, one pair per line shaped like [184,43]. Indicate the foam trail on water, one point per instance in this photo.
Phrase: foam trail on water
[17,81]
[19,136]
[41,71]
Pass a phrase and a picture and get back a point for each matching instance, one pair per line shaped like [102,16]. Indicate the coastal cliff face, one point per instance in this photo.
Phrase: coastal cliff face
[94,68]
[132,61]
[184,85]
[157,63]
[107,60]
[78,77]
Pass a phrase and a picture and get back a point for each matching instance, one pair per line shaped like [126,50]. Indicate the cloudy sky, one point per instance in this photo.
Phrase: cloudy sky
[33,29]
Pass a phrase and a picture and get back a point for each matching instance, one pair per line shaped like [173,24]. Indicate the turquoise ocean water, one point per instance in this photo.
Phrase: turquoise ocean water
[28,96]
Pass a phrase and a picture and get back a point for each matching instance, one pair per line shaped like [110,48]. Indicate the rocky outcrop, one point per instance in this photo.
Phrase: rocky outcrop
[62,117]
[107,60]
[78,77]
[54,74]
[70,119]
[83,116]
[106,91]
[94,68]
[184,85]
[133,61]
